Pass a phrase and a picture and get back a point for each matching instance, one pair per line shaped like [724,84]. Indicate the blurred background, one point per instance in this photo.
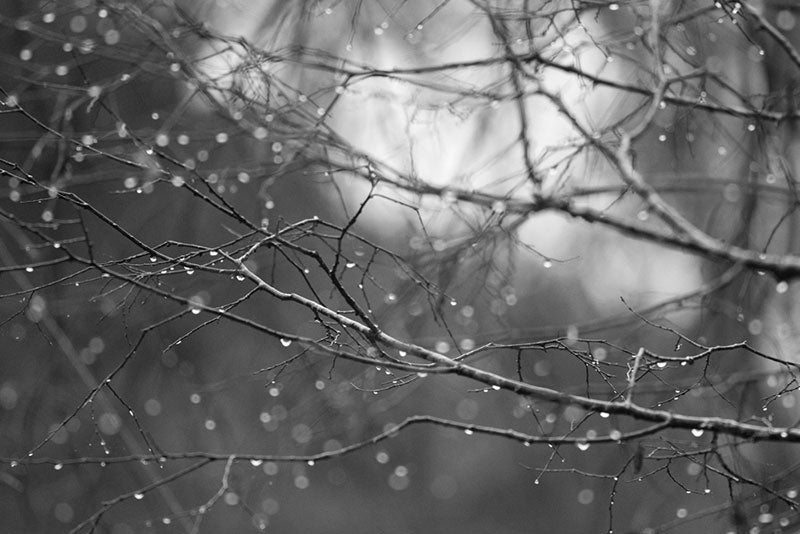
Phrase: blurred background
[145,143]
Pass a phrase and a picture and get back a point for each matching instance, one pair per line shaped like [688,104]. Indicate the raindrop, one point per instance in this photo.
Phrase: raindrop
[350,265]
[286,342]
[582,445]
[138,496]
[58,467]
[661,365]
[468,431]
[547,264]
[604,415]
[256,462]
[697,432]
[310,463]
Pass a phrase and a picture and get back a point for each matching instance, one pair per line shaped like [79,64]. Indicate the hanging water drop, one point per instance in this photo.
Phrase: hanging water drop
[286,342]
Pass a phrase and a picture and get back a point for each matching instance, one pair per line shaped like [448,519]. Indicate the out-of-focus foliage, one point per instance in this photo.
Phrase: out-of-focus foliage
[398,266]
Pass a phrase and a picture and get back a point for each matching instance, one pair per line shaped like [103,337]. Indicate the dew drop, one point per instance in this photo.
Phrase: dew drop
[286,342]
[138,496]
[697,432]
[582,445]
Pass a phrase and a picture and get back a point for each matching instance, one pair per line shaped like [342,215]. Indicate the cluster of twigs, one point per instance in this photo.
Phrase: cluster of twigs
[351,298]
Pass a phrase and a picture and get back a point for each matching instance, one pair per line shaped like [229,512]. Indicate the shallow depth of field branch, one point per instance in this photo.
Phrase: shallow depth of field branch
[238,241]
